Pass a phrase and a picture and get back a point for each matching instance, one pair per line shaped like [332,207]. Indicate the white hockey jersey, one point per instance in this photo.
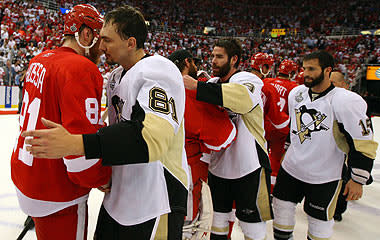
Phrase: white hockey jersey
[324,130]
[140,191]
[242,96]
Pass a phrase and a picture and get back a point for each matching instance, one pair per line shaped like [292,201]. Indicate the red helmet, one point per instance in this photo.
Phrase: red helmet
[287,67]
[83,14]
[259,60]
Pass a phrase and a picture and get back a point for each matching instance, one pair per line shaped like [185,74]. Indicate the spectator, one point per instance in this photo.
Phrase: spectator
[9,74]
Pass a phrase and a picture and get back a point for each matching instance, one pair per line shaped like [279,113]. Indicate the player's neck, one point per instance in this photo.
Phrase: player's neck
[185,71]
[230,73]
[73,45]
[258,74]
[133,59]
[325,84]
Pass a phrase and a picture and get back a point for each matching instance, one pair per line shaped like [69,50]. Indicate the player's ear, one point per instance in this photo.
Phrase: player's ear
[233,60]
[187,62]
[131,42]
[86,36]
[328,70]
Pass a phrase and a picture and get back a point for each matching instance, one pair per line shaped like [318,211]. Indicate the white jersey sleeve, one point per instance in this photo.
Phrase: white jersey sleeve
[350,112]
[243,87]
[163,97]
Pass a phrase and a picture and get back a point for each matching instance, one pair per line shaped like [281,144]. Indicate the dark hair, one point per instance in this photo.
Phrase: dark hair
[182,64]
[129,23]
[325,59]
[232,47]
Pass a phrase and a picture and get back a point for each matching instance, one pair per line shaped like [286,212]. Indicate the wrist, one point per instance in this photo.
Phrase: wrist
[77,142]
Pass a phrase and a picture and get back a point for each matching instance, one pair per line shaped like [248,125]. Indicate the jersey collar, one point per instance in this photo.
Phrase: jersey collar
[314,96]
[228,80]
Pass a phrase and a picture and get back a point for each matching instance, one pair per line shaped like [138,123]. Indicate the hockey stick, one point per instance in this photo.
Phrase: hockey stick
[304,127]
[28,224]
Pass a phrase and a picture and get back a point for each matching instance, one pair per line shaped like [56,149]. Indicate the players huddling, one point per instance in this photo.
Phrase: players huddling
[173,139]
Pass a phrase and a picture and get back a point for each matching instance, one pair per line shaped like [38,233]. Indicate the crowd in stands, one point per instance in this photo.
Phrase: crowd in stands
[27,28]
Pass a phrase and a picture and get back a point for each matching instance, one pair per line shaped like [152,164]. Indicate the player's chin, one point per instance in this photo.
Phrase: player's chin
[308,83]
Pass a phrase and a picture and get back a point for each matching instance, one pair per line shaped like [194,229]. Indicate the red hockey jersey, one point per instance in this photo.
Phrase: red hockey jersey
[283,87]
[207,128]
[276,138]
[273,116]
[66,88]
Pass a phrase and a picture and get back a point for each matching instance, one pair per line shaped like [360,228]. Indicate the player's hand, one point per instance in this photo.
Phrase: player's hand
[106,188]
[54,142]
[190,83]
[353,190]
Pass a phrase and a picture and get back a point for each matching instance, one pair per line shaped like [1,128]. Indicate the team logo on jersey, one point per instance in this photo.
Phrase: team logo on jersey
[308,121]
[250,87]
[118,104]
[299,97]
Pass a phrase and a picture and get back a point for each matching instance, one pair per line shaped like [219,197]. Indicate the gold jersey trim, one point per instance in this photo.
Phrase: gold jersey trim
[164,145]
[254,122]
[236,97]
[366,147]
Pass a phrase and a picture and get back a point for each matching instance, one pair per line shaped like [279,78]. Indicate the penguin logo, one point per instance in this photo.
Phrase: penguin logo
[308,121]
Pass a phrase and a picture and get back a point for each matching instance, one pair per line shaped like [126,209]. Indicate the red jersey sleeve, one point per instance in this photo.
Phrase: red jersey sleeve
[217,131]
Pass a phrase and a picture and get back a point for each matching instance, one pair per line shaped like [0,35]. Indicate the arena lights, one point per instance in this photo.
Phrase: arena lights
[370,32]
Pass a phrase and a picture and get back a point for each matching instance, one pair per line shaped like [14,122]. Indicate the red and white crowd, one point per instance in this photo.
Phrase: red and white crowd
[28,28]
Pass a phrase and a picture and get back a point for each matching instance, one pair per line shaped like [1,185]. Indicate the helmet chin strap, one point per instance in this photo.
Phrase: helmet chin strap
[293,78]
[264,74]
[86,48]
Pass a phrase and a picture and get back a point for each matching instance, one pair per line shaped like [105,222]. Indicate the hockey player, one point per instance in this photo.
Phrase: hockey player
[64,85]
[261,64]
[144,142]
[327,123]
[283,83]
[207,128]
[241,172]
[283,86]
